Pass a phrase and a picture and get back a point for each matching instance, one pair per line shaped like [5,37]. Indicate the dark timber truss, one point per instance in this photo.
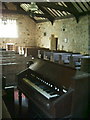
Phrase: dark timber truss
[49,10]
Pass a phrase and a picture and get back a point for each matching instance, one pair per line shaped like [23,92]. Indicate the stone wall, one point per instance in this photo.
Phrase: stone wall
[72,36]
[26,29]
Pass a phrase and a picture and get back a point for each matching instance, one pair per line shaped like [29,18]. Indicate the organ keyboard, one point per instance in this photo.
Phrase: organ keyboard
[41,90]
[49,86]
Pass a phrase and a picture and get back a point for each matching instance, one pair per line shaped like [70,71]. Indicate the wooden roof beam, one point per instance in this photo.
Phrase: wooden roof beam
[17,6]
[24,13]
[5,6]
[47,14]
[84,13]
[16,12]
[73,10]
[61,8]
[53,6]
[21,11]
[36,14]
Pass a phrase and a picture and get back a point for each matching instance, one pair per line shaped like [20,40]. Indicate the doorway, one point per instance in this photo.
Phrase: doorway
[56,39]
[10,47]
[53,42]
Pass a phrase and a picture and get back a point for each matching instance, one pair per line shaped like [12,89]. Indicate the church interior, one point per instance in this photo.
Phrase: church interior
[45,60]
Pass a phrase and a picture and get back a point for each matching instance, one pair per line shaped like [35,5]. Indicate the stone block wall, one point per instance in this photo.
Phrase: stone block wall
[72,36]
[26,29]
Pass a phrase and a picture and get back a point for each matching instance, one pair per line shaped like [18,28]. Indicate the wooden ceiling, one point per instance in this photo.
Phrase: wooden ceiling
[49,10]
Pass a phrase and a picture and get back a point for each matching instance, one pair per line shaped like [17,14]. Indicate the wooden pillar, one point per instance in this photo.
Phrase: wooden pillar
[39,54]
[81,96]
[52,57]
[85,64]
[71,63]
[25,52]
[20,98]
[44,55]
[60,59]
